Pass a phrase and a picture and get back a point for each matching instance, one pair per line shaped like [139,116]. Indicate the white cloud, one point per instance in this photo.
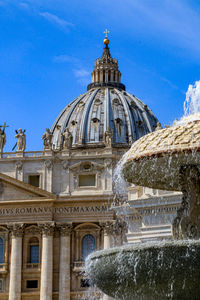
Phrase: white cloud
[66,58]
[82,75]
[56,20]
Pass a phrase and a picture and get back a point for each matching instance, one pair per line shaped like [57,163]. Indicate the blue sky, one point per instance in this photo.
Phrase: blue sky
[48,48]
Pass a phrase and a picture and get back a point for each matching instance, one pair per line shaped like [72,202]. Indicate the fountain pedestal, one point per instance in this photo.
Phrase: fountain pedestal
[187,223]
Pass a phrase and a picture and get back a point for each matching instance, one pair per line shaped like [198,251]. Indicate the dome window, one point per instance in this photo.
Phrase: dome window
[81,104]
[118,125]
[97,102]
[118,121]
[73,123]
[95,120]
[139,122]
[133,104]
[116,101]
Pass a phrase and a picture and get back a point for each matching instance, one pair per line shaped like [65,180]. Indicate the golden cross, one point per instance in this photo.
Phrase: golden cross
[106,32]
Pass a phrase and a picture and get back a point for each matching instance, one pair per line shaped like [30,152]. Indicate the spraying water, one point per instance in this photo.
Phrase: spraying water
[120,185]
[191,104]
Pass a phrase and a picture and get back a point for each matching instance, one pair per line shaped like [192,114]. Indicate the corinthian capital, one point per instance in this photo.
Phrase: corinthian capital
[17,229]
[47,228]
[65,229]
[108,227]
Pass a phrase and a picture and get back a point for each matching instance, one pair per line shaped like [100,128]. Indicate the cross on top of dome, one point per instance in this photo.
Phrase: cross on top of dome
[106,32]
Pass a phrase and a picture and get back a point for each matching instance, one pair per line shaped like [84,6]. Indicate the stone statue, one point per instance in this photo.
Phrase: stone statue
[47,139]
[21,140]
[158,126]
[108,137]
[2,139]
[67,139]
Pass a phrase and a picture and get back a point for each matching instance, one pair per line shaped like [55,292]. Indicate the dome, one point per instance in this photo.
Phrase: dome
[106,109]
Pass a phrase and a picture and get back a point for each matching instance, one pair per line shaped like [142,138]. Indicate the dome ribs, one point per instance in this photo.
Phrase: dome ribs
[83,138]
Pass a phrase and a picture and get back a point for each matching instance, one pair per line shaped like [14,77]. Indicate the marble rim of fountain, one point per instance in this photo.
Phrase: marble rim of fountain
[175,139]
[142,246]
[155,160]
[153,270]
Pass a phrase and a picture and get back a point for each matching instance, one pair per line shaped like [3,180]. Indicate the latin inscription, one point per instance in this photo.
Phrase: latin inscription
[54,210]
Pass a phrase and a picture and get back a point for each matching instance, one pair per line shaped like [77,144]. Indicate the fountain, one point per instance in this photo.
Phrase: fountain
[166,159]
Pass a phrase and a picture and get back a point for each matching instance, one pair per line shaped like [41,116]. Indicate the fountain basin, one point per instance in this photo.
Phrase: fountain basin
[149,271]
[156,158]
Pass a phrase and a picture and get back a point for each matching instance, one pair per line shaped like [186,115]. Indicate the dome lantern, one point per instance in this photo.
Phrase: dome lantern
[106,72]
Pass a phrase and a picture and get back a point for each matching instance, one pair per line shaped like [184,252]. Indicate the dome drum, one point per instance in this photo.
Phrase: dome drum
[117,85]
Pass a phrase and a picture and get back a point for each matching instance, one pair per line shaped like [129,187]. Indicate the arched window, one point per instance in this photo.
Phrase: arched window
[34,251]
[1,251]
[88,245]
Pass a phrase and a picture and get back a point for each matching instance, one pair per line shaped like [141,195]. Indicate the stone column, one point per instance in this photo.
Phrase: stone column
[46,284]
[93,76]
[48,175]
[97,76]
[108,235]
[16,262]
[112,76]
[106,76]
[64,271]
[101,76]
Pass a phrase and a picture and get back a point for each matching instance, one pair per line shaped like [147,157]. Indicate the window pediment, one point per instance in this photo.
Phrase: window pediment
[86,166]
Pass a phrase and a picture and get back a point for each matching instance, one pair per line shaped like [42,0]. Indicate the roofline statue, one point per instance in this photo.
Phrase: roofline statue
[47,139]
[21,140]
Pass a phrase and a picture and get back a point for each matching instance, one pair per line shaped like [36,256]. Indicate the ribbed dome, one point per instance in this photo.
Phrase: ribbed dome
[106,109]
[91,114]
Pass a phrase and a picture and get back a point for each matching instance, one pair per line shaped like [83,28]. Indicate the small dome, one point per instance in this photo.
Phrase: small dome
[105,109]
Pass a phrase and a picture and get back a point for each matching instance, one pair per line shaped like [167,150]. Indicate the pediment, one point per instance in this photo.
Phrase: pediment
[12,189]
[86,166]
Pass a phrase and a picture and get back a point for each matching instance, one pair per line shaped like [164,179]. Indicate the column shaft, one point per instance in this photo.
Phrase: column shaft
[46,284]
[64,275]
[15,269]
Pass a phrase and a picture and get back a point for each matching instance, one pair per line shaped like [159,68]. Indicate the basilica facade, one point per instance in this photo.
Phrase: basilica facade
[55,204]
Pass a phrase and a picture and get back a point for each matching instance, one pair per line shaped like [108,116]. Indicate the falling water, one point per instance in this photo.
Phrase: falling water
[120,185]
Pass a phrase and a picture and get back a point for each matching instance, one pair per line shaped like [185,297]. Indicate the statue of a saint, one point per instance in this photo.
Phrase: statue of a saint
[67,139]
[108,137]
[158,126]
[47,139]
[2,139]
[21,140]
